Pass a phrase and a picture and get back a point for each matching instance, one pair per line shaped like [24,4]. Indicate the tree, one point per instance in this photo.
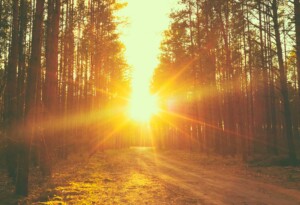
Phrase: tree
[30,100]
[284,88]
[50,93]
[297,34]
[10,103]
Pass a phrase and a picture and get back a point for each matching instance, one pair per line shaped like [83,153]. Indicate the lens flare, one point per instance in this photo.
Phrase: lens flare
[143,106]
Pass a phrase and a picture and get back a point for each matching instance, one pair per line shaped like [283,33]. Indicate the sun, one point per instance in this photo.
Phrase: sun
[143,107]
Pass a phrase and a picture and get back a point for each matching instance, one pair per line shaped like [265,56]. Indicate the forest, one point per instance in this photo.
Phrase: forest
[229,72]
[227,83]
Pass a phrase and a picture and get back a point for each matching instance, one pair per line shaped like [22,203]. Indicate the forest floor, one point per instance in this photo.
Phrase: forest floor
[139,176]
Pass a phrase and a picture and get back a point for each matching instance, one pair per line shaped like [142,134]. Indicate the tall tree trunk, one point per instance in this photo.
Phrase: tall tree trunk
[30,99]
[1,10]
[266,98]
[71,87]
[297,28]
[23,161]
[51,79]
[10,103]
[22,56]
[272,79]
[284,88]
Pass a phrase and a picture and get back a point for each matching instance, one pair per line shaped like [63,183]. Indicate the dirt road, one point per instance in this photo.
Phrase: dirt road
[139,176]
[214,186]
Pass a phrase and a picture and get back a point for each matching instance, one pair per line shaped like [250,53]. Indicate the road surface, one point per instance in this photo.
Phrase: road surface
[145,176]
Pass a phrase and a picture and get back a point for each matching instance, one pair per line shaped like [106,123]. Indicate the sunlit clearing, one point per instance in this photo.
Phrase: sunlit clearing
[143,106]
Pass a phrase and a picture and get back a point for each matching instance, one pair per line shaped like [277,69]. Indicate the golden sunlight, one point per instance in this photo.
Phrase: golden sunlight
[143,107]
[142,36]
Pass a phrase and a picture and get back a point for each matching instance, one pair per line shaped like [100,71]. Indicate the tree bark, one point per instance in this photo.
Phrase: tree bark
[10,102]
[51,79]
[297,28]
[284,88]
[23,167]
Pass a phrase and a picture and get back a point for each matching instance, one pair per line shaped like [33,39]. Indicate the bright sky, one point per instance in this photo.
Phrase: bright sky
[142,37]
[147,19]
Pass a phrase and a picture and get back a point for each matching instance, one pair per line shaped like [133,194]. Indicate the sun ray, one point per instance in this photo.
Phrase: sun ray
[197,121]
[174,77]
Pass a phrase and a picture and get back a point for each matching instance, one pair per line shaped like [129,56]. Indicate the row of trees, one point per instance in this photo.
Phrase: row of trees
[229,76]
[62,66]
